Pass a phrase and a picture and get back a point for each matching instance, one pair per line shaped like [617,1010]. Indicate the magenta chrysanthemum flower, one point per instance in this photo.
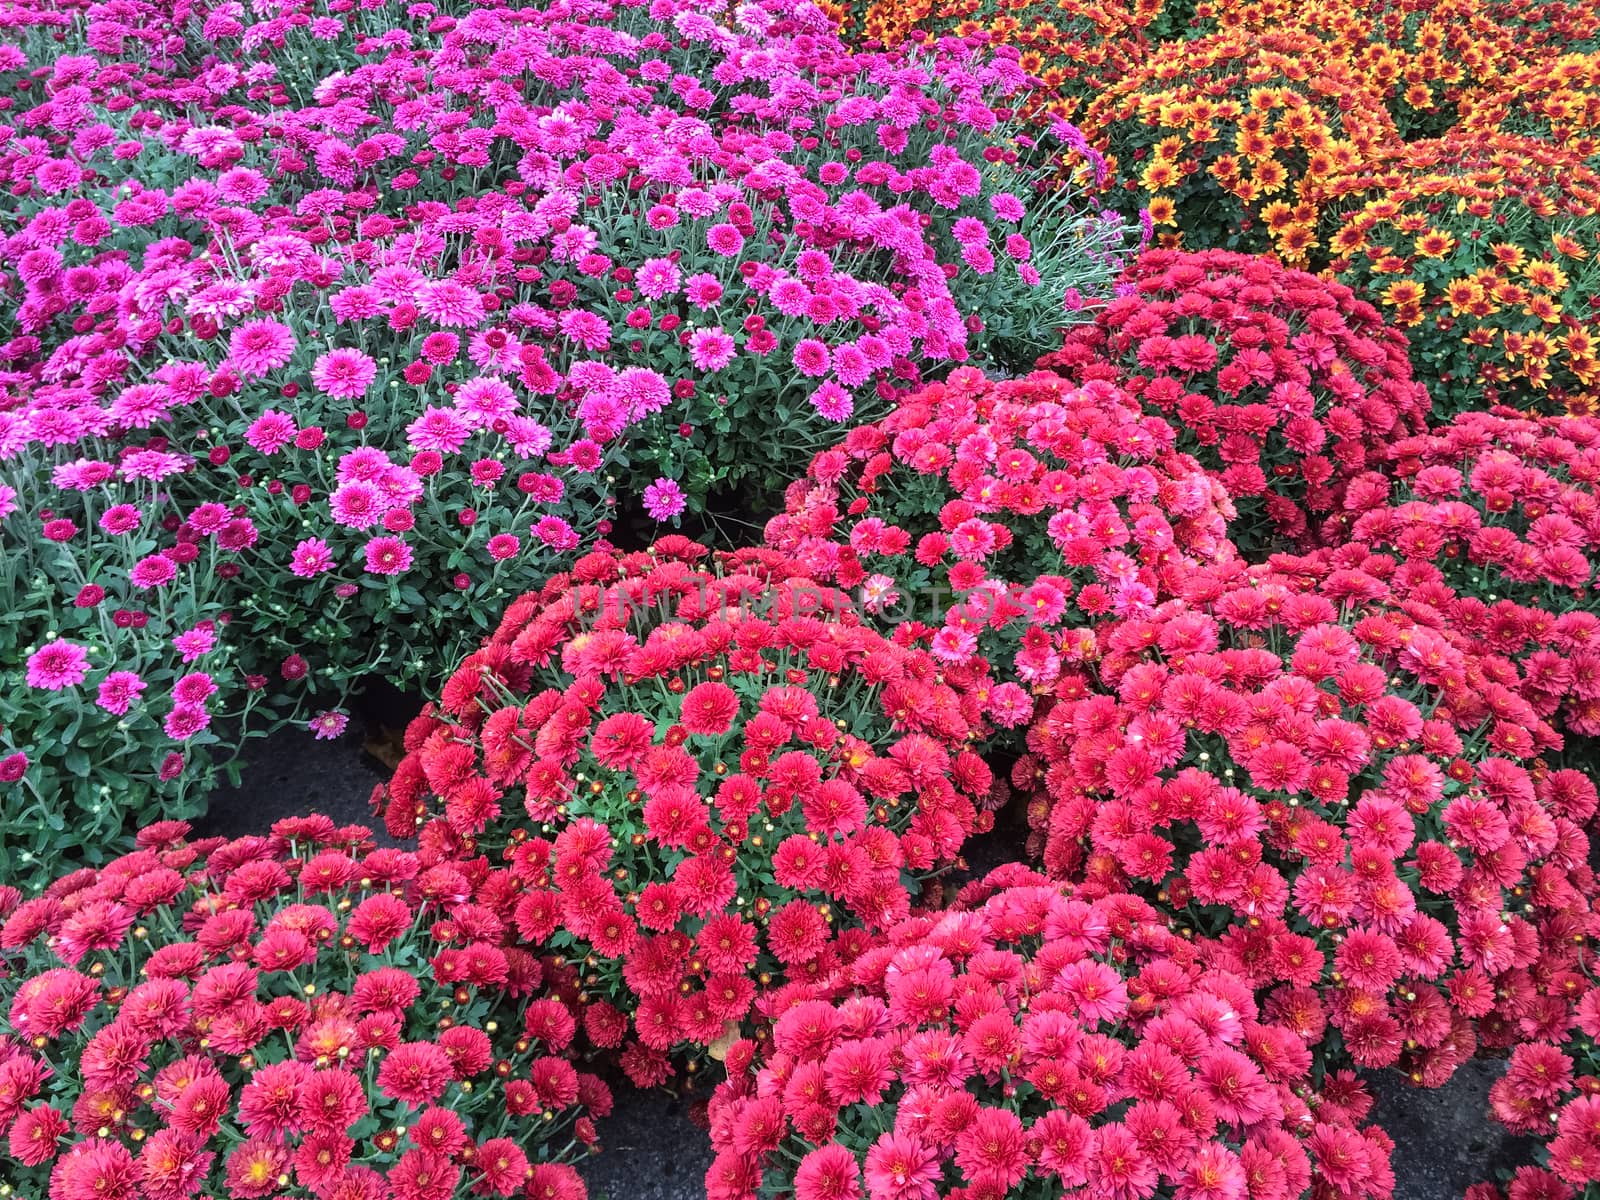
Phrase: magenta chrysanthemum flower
[152,572]
[57,666]
[664,499]
[344,374]
[193,643]
[388,556]
[711,349]
[118,691]
[556,533]
[357,505]
[311,557]
[271,431]
[658,277]
[328,725]
[725,239]
[833,402]
[446,302]
[811,357]
[438,429]
[483,401]
[503,546]
[184,721]
[260,346]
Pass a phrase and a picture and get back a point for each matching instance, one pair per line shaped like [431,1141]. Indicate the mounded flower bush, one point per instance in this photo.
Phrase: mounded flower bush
[1282,385]
[1550,1091]
[323,343]
[1555,99]
[1320,777]
[1482,250]
[697,781]
[1031,1042]
[998,519]
[1224,139]
[1502,507]
[1550,26]
[1420,57]
[297,1011]
[1072,47]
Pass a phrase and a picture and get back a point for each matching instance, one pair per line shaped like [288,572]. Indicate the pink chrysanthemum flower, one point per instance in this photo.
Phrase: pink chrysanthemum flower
[258,347]
[387,556]
[664,499]
[152,571]
[193,643]
[271,431]
[328,725]
[438,429]
[344,374]
[57,666]
[357,505]
[311,557]
[118,691]
[711,349]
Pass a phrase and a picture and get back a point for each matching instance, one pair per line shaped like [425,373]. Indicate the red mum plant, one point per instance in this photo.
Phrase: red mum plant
[1031,1042]
[294,1011]
[1551,1091]
[1003,516]
[1504,506]
[701,781]
[1321,777]
[1282,384]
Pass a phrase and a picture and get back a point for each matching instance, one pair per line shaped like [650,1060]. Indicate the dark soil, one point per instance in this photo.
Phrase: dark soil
[1444,1139]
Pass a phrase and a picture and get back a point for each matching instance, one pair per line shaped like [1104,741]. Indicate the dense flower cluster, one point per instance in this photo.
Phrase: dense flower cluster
[316,356]
[343,339]
[1421,57]
[998,519]
[1502,509]
[1282,385]
[1551,1091]
[292,1010]
[1073,47]
[1034,1041]
[1223,140]
[702,781]
[1556,100]
[1484,251]
[1323,777]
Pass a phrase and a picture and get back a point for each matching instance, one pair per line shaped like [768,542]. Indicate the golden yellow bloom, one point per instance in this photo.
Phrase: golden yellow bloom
[1403,292]
[1436,243]
[1271,175]
[1543,308]
[1545,275]
[1159,176]
[1568,246]
[1462,294]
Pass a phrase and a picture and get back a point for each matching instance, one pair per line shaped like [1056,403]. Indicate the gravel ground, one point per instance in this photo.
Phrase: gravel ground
[1444,1140]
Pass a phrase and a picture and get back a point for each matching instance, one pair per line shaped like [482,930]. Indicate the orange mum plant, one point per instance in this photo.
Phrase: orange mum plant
[1072,47]
[1225,139]
[1556,99]
[1483,250]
